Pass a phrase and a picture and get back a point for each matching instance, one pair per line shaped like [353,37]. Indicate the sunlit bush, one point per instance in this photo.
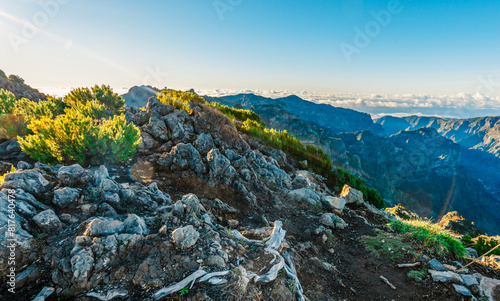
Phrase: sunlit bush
[104,95]
[29,109]
[7,102]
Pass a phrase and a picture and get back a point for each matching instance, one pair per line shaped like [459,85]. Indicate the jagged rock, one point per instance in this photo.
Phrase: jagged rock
[217,162]
[333,221]
[11,150]
[185,237]
[135,224]
[462,290]
[156,128]
[147,142]
[192,204]
[333,203]
[436,265]
[44,293]
[445,277]
[218,206]
[82,263]
[305,195]
[103,227]
[204,143]
[469,280]
[179,123]
[65,197]
[30,181]
[30,274]
[48,221]
[184,157]
[351,195]
[74,175]
[105,209]
[300,182]
[490,288]
[156,108]
[21,165]
[471,253]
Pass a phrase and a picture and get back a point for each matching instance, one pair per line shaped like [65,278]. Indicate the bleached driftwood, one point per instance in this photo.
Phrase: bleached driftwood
[387,281]
[292,273]
[277,236]
[273,271]
[240,236]
[214,274]
[110,295]
[179,285]
[408,265]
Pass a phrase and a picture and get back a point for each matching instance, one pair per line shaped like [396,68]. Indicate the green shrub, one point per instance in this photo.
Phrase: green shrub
[16,79]
[12,125]
[29,109]
[434,238]
[104,95]
[2,74]
[76,138]
[2,177]
[7,102]
[483,244]
[179,99]
[239,114]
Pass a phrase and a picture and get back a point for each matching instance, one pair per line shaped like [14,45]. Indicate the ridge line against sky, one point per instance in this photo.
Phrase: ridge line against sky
[385,47]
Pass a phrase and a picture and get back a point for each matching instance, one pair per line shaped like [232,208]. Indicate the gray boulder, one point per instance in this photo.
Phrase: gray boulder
[179,123]
[471,253]
[82,263]
[185,237]
[103,227]
[333,203]
[48,221]
[30,181]
[469,280]
[436,265]
[192,204]
[21,165]
[445,277]
[74,175]
[305,195]
[351,195]
[462,290]
[65,197]
[135,225]
[217,162]
[204,143]
[156,128]
[156,108]
[333,221]
[184,157]
[490,288]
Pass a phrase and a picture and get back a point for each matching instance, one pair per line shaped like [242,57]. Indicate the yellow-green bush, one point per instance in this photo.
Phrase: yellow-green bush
[7,102]
[76,138]
[104,95]
[2,177]
[179,99]
[29,109]
[84,133]
[239,114]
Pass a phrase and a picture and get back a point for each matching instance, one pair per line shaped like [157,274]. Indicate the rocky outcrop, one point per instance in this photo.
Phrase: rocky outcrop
[21,90]
[138,96]
[455,222]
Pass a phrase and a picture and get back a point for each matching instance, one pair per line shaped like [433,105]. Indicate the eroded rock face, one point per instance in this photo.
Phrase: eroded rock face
[103,227]
[218,163]
[48,221]
[179,123]
[66,197]
[31,181]
[305,195]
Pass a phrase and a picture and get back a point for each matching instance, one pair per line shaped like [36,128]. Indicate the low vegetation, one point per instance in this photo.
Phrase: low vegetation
[434,238]
[2,177]
[179,99]
[482,244]
[393,246]
[86,127]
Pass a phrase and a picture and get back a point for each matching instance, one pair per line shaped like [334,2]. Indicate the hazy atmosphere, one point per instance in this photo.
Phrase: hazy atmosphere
[371,55]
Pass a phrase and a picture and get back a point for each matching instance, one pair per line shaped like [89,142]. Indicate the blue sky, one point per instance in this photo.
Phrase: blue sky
[428,47]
